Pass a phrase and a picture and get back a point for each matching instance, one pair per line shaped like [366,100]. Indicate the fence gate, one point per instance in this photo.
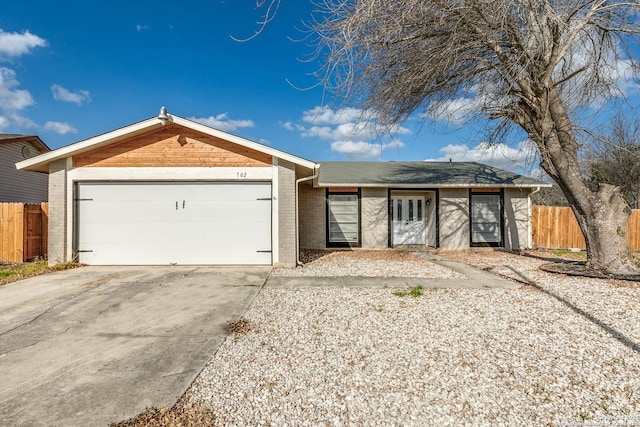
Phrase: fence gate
[23,231]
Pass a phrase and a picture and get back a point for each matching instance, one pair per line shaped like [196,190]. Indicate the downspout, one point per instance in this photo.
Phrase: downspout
[529,226]
[298,181]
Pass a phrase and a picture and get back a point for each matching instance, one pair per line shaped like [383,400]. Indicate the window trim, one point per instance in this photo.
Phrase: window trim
[330,244]
[499,244]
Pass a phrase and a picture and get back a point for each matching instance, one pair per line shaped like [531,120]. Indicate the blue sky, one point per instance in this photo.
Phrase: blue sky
[71,70]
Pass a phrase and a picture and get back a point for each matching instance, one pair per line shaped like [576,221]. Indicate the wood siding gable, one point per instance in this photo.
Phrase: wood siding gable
[173,146]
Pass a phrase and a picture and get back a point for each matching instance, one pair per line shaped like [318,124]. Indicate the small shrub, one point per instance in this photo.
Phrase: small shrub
[417,291]
[414,292]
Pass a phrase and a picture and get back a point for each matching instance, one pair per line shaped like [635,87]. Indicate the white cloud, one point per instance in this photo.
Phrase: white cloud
[22,121]
[223,122]
[12,99]
[455,111]
[287,126]
[140,27]
[60,128]
[361,150]
[519,159]
[325,115]
[4,123]
[62,94]
[16,44]
[349,130]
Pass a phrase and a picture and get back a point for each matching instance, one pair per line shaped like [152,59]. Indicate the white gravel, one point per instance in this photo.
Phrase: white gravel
[354,356]
[364,263]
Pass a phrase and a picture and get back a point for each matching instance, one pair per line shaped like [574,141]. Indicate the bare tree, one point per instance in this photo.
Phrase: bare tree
[615,157]
[533,65]
[551,196]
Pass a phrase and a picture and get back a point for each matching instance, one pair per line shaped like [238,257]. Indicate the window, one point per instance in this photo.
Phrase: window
[486,219]
[343,219]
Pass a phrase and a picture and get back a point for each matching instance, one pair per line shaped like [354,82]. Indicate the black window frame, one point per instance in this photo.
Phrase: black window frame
[330,244]
[499,244]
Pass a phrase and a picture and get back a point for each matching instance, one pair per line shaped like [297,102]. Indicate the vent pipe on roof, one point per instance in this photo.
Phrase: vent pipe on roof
[163,116]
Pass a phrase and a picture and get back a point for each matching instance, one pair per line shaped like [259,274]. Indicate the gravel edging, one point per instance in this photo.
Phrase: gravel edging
[352,356]
[364,263]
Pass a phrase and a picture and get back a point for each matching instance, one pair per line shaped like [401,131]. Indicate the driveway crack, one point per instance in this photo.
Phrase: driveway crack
[51,307]
[33,319]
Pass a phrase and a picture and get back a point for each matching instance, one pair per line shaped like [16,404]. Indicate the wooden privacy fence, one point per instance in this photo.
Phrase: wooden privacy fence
[23,231]
[555,227]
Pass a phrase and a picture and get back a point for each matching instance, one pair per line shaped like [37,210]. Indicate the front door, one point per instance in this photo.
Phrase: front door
[408,218]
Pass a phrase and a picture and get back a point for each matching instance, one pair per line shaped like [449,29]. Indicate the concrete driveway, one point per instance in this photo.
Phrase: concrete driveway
[96,345]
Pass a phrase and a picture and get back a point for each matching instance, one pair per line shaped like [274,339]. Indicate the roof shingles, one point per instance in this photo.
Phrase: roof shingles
[424,174]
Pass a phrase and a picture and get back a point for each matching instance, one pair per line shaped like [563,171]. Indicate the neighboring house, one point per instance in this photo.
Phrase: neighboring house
[168,190]
[17,185]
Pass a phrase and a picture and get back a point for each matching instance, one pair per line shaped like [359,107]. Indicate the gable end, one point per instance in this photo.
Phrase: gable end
[173,146]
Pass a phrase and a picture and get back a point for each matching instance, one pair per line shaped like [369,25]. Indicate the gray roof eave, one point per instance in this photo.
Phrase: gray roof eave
[427,185]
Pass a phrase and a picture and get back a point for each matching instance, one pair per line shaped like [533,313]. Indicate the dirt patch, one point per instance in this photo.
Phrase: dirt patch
[179,415]
[581,269]
[549,262]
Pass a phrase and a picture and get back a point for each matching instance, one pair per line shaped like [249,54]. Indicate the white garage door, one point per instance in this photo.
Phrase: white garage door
[160,223]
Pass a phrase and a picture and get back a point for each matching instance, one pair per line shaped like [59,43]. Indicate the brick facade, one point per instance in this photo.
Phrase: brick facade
[286,214]
[313,217]
[57,246]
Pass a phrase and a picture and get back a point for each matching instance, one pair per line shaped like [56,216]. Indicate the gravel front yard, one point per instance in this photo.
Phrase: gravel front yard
[365,263]
[560,354]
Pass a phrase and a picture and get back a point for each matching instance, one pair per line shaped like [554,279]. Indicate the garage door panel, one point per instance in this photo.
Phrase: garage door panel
[174,223]
[101,213]
[227,212]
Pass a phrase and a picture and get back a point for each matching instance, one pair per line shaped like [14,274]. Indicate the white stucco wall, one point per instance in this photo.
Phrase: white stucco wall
[454,218]
[516,218]
[374,218]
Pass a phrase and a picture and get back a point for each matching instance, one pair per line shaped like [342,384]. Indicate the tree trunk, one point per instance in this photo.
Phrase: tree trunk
[604,227]
[602,214]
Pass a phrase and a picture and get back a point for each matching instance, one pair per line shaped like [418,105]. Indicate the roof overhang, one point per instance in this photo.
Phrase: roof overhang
[41,163]
[428,186]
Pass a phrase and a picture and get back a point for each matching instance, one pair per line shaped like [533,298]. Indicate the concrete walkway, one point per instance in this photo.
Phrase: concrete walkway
[95,345]
[475,278]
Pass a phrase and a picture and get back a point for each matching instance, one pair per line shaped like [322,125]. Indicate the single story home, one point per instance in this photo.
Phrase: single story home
[21,186]
[168,190]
